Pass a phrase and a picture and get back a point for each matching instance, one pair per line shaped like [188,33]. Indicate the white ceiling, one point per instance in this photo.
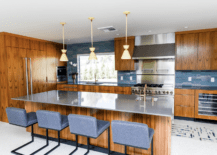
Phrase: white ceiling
[41,18]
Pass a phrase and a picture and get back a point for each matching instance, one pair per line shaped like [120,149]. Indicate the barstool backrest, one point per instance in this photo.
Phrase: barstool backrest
[49,119]
[130,134]
[83,125]
[17,116]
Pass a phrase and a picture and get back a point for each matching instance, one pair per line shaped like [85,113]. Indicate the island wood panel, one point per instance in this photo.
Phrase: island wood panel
[121,64]
[161,125]
[197,92]
[12,70]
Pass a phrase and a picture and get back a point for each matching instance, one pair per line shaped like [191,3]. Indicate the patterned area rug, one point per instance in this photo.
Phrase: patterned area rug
[198,132]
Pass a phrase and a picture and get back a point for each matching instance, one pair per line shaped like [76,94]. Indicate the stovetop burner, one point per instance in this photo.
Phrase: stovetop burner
[149,85]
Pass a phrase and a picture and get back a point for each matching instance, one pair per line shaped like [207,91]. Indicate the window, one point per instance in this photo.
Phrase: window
[103,68]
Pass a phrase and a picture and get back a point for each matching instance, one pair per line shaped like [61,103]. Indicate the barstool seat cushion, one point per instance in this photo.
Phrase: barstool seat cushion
[19,117]
[86,125]
[51,120]
[132,134]
[31,118]
[102,126]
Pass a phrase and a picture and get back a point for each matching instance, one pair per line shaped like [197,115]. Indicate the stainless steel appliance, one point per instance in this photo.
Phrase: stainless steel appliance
[157,46]
[61,73]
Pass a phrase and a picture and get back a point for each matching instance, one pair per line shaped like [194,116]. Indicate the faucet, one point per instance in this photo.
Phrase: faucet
[145,92]
[95,78]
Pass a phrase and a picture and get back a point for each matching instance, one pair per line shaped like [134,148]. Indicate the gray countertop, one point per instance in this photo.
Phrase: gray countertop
[105,101]
[99,84]
[196,87]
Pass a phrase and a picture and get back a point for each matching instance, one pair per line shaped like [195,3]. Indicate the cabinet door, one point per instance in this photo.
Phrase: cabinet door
[214,50]
[16,75]
[38,59]
[186,51]
[204,51]
[184,100]
[124,64]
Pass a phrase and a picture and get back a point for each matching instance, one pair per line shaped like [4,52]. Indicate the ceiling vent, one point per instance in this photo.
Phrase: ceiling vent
[107,29]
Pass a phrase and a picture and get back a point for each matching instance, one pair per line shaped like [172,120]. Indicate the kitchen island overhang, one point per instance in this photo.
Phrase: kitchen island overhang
[107,107]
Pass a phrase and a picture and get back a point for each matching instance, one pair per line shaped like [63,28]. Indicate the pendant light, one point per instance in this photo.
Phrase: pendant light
[63,56]
[126,53]
[92,49]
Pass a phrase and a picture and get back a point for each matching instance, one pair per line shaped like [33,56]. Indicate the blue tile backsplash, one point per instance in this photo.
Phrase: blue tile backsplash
[103,46]
[199,78]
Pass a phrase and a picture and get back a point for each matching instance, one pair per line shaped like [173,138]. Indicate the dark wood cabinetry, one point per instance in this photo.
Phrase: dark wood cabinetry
[196,50]
[45,58]
[184,103]
[121,64]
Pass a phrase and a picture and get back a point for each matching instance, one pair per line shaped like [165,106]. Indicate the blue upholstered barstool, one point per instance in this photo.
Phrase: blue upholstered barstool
[89,127]
[17,116]
[132,134]
[51,120]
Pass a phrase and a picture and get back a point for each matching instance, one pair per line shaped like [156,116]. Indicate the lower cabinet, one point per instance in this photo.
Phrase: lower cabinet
[184,103]
[90,88]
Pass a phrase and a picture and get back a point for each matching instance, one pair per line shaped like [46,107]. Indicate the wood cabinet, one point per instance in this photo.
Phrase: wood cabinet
[186,51]
[67,87]
[121,64]
[209,108]
[45,58]
[92,88]
[184,103]
[196,50]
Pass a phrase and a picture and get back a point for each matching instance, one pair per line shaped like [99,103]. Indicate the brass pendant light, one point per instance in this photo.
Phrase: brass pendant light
[63,56]
[126,53]
[92,49]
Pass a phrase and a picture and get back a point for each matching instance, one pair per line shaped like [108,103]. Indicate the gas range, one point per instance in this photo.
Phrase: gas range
[153,89]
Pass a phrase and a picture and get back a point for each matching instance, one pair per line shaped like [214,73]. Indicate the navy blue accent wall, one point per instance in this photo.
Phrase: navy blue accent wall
[103,46]
[199,78]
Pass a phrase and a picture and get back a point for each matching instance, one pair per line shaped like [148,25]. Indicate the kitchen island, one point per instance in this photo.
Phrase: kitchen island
[107,106]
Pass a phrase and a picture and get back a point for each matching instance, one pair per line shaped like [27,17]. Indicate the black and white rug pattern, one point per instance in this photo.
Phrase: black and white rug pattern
[197,132]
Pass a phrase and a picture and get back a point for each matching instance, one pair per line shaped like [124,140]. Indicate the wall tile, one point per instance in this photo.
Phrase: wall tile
[199,78]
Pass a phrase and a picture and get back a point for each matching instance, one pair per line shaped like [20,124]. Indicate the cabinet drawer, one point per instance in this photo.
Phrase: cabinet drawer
[184,91]
[184,111]
[184,100]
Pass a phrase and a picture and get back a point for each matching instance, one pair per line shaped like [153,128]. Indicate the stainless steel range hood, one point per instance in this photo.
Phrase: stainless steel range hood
[157,46]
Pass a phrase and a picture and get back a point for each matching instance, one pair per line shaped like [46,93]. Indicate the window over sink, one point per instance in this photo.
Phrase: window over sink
[103,68]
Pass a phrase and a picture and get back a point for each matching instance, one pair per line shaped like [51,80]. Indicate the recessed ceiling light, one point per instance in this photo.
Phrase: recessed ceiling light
[117,34]
[186,27]
[149,31]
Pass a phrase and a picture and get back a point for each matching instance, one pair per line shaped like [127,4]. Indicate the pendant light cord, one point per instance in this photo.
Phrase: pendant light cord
[91,33]
[63,36]
[126,29]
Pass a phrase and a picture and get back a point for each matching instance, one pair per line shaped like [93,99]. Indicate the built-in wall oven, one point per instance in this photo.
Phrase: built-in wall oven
[61,73]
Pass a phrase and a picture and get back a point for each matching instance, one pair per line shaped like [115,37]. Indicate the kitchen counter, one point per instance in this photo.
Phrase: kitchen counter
[105,101]
[196,87]
[107,107]
[99,84]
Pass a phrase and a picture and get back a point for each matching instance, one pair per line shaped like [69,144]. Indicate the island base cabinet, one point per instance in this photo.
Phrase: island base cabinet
[160,124]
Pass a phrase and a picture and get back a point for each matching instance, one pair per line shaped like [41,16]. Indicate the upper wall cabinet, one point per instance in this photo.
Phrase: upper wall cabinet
[196,50]
[120,64]
[186,51]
